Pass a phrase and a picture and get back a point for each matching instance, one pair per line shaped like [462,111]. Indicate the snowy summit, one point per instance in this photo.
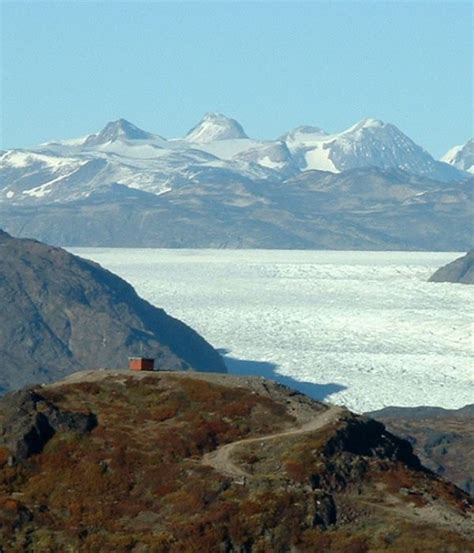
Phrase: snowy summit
[215,126]
[461,157]
[117,130]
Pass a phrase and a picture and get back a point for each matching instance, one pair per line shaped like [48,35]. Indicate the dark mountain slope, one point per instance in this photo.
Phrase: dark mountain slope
[442,438]
[60,313]
[168,462]
[460,270]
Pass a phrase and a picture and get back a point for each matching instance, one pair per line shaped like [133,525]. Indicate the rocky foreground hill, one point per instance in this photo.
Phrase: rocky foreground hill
[460,270]
[186,462]
[60,313]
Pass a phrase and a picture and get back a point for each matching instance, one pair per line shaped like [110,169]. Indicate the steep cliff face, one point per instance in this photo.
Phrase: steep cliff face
[177,462]
[60,313]
[460,270]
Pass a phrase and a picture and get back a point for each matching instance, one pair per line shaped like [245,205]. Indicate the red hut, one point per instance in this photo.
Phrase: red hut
[141,364]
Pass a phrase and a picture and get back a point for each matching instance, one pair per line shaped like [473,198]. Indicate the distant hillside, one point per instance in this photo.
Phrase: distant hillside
[60,313]
[193,462]
[460,270]
[442,438]
[360,209]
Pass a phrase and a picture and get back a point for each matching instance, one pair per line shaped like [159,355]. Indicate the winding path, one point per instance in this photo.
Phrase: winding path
[221,458]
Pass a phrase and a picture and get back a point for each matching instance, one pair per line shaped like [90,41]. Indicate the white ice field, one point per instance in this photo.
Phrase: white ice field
[363,329]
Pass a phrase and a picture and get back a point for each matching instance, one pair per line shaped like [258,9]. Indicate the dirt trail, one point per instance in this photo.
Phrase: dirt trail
[221,458]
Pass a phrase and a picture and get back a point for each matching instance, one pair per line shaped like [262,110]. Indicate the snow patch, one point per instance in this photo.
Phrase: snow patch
[39,191]
[227,149]
[318,158]
[20,159]
[461,157]
[268,162]
[450,155]
[68,142]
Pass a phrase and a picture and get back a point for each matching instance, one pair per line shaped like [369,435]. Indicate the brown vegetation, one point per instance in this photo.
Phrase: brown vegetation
[136,483]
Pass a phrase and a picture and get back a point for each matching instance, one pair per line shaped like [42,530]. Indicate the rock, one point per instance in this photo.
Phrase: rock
[326,512]
[363,436]
[28,421]
[460,270]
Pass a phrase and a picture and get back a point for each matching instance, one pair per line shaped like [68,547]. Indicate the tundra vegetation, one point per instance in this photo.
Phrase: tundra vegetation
[135,481]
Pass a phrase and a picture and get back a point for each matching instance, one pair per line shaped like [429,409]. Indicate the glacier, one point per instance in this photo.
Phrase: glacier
[362,329]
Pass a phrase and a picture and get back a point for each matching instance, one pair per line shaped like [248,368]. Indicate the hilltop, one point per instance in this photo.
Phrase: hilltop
[187,462]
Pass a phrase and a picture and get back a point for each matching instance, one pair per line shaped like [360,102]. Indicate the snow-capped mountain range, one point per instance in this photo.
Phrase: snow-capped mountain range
[124,154]
[214,170]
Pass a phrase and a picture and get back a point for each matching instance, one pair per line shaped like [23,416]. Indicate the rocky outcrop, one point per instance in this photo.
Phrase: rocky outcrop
[362,436]
[460,270]
[28,421]
[60,313]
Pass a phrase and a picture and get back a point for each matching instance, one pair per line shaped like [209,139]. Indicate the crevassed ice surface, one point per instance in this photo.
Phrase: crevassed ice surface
[363,329]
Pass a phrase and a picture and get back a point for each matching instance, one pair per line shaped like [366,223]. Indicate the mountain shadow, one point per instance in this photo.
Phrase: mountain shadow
[248,367]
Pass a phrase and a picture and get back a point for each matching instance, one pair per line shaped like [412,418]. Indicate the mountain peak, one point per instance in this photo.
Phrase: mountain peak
[215,126]
[461,157]
[372,122]
[367,123]
[116,130]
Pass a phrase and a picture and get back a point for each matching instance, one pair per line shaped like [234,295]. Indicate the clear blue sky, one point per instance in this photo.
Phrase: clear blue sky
[69,67]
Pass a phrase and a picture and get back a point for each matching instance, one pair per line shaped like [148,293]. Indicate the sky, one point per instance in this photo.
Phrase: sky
[70,67]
